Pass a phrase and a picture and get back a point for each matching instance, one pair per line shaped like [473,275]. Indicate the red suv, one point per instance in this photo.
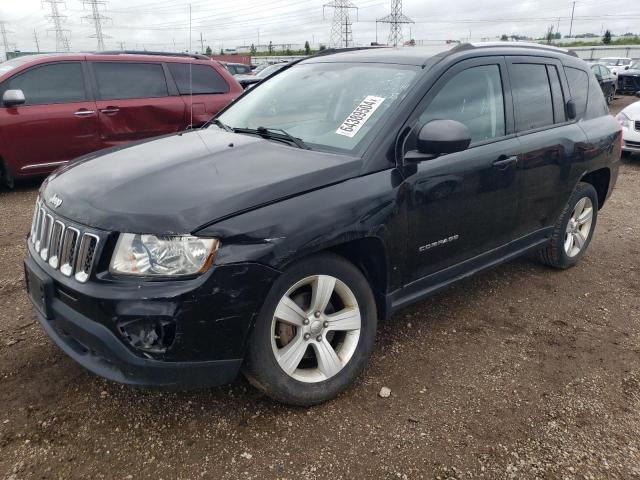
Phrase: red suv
[58,107]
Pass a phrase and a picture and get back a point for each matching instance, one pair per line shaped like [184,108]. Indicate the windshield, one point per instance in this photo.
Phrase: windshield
[635,65]
[612,62]
[330,105]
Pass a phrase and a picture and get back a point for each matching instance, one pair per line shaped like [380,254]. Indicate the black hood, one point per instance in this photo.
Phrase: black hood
[180,183]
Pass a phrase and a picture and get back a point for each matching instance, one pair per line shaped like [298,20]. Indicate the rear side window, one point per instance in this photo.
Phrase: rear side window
[556,93]
[119,81]
[205,79]
[48,84]
[579,88]
[473,97]
[532,98]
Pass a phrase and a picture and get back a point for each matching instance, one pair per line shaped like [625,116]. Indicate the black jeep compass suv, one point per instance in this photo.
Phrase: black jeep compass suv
[343,188]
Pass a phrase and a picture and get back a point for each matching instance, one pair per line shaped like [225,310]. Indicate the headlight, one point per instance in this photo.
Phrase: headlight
[623,120]
[162,255]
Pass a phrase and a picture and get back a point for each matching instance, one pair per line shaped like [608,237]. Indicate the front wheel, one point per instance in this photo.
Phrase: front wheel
[611,95]
[573,230]
[315,332]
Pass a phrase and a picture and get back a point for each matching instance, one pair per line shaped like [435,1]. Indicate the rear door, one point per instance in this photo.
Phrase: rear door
[134,102]
[57,123]
[549,143]
[204,90]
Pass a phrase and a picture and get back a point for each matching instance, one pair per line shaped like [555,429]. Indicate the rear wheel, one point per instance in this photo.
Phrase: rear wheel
[6,179]
[573,230]
[315,332]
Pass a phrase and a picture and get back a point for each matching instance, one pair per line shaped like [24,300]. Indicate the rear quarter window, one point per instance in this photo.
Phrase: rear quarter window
[197,79]
[578,88]
[596,104]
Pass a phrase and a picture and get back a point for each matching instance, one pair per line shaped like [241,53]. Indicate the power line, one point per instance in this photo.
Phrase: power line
[395,20]
[62,41]
[97,19]
[341,31]
[5,39]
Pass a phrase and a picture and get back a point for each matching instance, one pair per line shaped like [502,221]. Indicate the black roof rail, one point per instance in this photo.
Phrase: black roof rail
[531,45]
[196,56]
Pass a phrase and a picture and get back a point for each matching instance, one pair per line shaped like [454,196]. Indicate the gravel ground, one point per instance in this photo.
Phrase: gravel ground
[519,372]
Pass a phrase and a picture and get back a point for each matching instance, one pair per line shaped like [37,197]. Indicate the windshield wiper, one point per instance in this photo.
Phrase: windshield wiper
[222,125]
[274,133]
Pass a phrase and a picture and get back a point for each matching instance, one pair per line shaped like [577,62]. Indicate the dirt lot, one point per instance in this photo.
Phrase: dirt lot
[520,372]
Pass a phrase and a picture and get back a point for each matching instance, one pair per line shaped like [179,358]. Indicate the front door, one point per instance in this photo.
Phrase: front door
[464,204]
[57,123]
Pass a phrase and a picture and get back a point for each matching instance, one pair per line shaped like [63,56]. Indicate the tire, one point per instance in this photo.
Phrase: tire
[290,360]
[564,252]
[610,95]
[6,179]
[626,154]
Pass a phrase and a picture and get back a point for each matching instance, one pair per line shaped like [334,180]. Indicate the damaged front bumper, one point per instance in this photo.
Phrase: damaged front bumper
[212,317]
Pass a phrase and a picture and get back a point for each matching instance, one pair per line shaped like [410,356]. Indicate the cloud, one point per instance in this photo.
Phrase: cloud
[164,24]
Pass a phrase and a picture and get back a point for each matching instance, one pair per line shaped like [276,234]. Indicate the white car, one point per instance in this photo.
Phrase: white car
[616,64]
[629,119]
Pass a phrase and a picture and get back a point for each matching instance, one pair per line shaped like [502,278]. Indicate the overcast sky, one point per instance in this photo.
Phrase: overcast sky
[164,24]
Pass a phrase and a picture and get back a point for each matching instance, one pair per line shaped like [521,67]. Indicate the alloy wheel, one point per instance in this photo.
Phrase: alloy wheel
[578,227]
[315,328]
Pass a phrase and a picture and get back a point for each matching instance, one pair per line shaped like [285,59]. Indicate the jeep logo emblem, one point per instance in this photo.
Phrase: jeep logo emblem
[55,201]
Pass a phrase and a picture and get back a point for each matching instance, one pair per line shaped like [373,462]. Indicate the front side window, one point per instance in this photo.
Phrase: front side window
[333,105]
[49,84]
[533,104]
[119,81]
[197,79]
[473,97]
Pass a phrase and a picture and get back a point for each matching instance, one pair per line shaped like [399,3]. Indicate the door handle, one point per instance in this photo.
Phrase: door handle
[110,110]
[84,113]
[504,162]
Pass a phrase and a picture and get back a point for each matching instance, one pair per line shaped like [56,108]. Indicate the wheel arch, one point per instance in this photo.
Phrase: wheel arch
[368,254]
[600,180]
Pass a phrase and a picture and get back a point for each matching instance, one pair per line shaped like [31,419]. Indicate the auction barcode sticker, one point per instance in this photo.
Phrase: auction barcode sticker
[356,120]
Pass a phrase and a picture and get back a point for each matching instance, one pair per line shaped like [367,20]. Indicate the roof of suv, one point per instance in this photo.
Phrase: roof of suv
[419,55]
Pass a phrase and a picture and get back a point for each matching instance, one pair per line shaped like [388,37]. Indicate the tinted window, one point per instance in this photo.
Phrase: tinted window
[578,87]
[556,94]
[130,80]
[596,106]
[54,83]
[205,79]
[474,98]
[531,96]
[243,69]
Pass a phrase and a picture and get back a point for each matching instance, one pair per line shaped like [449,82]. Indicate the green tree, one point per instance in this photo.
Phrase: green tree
[323,47]
[270,47]
[208,51]
[607,37]
[253,50]
[307,48]
[504,37]
[221,51]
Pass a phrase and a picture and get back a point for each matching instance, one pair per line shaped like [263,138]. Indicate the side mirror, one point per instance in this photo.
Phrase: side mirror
[13,98]
[439,137]
[571,110]
[627,67]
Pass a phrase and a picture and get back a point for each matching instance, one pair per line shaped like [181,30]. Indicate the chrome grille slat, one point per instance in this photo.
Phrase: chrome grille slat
[70,249]
[47,230]
[86,256]
[56,244]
